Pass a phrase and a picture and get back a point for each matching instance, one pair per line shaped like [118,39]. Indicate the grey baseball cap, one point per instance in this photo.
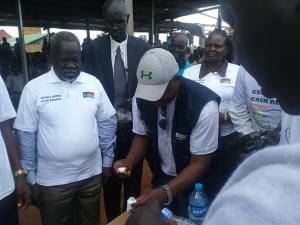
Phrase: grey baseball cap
[156,68]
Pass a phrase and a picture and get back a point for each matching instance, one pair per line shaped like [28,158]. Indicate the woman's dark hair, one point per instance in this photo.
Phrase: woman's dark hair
[227,42]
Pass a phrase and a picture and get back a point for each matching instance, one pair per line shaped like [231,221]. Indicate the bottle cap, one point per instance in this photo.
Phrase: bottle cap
[166,214]
[198,187]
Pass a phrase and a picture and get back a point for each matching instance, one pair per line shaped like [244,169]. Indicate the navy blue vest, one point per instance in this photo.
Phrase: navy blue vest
[190,101]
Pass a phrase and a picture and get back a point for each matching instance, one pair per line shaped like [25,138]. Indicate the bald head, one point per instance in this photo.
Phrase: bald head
[178,46]
[113,6]
[180,39]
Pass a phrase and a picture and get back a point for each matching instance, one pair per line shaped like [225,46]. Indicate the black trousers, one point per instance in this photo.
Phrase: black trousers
[76,203]
[8,210]
[132,186]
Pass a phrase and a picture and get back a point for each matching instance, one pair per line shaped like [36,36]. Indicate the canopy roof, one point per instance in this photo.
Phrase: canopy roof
[72,14]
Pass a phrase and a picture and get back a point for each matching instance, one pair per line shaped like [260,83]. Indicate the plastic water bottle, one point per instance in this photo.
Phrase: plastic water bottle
[130,201]
[198,204]
[168,215]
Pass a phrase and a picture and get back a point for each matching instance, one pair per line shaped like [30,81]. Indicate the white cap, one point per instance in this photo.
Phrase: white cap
[156,68]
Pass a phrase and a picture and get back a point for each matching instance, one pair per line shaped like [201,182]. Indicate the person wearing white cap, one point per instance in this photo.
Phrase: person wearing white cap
[176,125]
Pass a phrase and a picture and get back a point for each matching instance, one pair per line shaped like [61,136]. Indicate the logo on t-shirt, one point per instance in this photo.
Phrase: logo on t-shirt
[88,94]
[225,80]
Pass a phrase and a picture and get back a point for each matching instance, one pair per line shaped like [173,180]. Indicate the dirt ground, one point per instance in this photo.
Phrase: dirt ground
[31,216]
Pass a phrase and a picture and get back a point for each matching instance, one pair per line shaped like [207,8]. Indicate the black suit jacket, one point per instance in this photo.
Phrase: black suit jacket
[98,62]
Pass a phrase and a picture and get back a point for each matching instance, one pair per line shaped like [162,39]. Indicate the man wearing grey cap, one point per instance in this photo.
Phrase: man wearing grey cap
[175,122]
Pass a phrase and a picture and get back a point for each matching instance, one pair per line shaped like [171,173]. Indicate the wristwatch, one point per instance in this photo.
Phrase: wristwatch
[20,172]
[225,116]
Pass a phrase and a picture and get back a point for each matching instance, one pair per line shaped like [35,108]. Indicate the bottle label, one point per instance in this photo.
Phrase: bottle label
[198,213]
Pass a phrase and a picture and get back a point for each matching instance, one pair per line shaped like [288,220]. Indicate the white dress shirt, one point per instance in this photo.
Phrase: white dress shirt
[123,47]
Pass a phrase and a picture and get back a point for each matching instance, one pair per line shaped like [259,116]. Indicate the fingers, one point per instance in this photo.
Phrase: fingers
[122,168]
[23,201]
[142,200]
[23,194]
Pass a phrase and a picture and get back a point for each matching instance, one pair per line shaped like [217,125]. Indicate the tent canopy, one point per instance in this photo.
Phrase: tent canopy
[73,14]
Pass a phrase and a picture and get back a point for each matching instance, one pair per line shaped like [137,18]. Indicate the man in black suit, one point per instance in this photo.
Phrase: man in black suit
[113,59]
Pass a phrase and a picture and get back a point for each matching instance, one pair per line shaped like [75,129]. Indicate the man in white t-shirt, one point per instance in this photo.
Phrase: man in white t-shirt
[178,118]
[68,117]
[8,149]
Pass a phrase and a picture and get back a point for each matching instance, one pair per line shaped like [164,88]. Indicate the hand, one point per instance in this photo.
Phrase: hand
[106,174]
[155,194]
[127,164]
[23,192]
[36,192]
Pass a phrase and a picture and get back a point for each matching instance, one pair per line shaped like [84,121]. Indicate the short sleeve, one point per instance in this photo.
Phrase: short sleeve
[105,108]
[27,116]
[6,108]
[204,136]
[139,126]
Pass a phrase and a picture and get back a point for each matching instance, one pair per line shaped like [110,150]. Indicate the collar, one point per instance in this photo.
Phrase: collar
[53,78]
[204,70]
[114,45]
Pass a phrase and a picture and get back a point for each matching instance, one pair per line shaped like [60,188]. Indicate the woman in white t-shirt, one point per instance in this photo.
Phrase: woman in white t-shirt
[219,75]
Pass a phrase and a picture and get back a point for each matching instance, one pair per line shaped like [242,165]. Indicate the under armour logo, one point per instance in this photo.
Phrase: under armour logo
[147,73]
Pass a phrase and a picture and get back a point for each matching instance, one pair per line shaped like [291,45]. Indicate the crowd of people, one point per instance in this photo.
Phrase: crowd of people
[90,122]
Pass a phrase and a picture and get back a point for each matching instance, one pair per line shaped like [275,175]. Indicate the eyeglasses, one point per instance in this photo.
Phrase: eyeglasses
[163,122]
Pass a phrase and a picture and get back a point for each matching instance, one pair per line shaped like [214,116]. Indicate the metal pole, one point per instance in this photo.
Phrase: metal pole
[219,23]
[130,24]
[22,42]
[49,38]
[152,23]
[87,26]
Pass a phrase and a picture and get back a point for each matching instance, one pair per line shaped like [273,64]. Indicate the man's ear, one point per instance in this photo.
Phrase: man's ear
[128,16]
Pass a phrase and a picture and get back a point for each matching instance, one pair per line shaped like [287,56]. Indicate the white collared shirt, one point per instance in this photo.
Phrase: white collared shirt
[123,46]
[7,185]
[222,86]
[65,117]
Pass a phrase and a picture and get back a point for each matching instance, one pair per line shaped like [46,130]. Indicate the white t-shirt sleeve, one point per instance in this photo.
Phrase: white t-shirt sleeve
[105,108]
[239,112]
[6,108]
[204,136]
[27,117]
[139,126]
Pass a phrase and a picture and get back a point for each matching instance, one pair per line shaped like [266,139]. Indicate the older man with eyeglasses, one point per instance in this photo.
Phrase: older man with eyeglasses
[176,127]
